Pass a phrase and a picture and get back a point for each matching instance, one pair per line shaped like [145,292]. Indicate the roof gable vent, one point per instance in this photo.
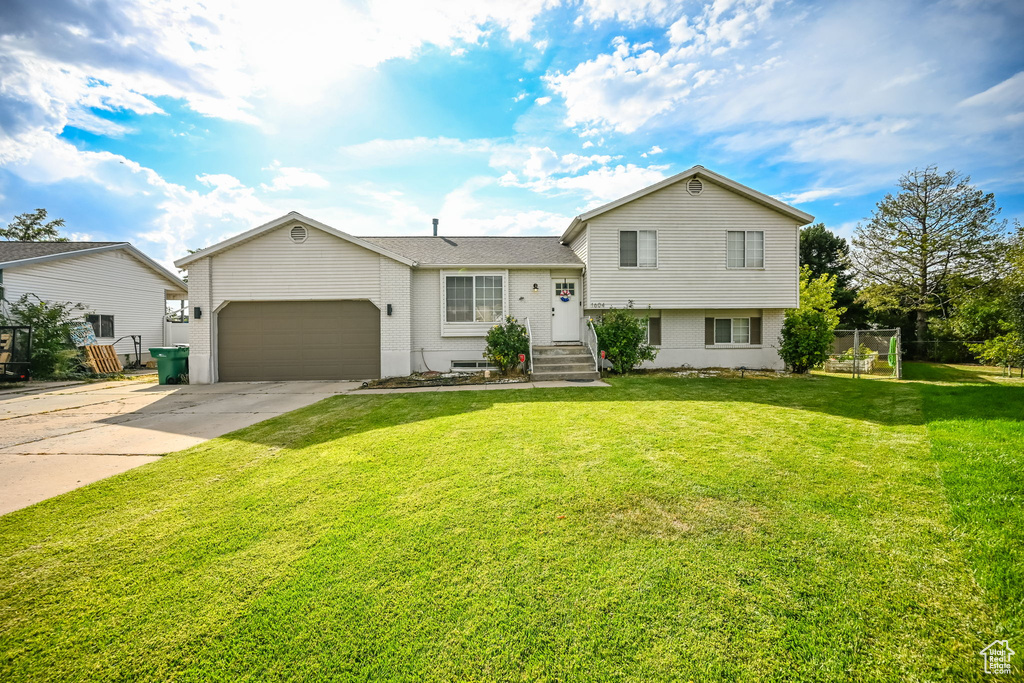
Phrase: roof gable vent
[298,234]
[695,186]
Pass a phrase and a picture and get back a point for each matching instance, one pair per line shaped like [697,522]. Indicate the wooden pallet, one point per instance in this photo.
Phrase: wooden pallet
[103,359]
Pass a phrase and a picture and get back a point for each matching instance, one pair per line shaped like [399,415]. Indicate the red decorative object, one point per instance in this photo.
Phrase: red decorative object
[602,355]
[522,358]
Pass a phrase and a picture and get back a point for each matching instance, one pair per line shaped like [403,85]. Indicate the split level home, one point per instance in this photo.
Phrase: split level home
[712,263]
[122,292]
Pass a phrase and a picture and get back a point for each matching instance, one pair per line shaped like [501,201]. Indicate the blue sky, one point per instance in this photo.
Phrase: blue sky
[175,125]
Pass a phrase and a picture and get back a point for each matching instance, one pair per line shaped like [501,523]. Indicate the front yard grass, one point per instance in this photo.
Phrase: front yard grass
[806,528]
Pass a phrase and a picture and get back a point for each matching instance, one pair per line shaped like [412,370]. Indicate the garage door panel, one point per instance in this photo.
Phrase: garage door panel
[310,340]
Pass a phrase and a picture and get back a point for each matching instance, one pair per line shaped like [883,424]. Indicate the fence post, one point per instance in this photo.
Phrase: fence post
[856,354]
[899,353]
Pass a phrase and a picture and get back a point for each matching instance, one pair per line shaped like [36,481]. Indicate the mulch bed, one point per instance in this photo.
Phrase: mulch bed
[441,379]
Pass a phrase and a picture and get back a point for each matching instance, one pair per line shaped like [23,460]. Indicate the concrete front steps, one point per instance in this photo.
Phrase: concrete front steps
[563,362]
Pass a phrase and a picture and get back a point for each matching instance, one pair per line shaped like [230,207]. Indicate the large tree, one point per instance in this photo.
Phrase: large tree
[826,253]
[938,226]
[32,227]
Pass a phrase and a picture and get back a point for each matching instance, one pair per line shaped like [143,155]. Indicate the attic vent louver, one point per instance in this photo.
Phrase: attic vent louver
[298,234]
[695,186]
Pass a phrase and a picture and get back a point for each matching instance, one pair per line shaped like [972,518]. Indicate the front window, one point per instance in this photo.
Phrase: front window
[638,249]
[473,298]
[746,248]
[102,325]
[732,330]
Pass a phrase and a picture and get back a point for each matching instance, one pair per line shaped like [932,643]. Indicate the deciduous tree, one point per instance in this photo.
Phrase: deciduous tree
[32,227]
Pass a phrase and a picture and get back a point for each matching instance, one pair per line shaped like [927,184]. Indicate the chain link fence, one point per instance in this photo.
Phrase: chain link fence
[866,353]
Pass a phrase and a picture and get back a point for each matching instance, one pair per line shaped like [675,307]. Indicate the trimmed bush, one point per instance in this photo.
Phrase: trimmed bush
[505,342]
[806,339]
[622,335]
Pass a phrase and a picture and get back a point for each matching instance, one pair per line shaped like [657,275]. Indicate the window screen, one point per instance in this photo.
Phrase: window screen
[746,249]
[638,248]
[488,298]
[459,300]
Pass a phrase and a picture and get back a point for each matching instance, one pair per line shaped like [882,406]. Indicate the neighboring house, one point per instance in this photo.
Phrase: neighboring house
[123,291]
[712,262]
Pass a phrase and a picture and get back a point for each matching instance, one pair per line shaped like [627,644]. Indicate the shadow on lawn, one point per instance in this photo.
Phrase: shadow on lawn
[887,403]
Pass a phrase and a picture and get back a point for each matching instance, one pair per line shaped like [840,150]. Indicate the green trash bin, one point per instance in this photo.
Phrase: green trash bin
[171,363]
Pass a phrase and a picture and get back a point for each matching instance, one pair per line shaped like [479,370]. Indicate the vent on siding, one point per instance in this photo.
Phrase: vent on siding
[695,186]
[298,234]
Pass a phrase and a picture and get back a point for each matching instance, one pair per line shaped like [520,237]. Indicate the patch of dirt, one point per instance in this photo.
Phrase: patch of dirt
[442,379]
[674,520]
[713,372]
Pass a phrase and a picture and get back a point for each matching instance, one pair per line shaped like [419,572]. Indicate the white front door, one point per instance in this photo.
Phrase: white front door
[565,310]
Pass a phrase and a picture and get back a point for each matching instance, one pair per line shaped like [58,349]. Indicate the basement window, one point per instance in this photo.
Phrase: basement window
[471,365]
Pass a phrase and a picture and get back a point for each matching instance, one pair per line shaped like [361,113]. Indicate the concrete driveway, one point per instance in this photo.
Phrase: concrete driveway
[55,440]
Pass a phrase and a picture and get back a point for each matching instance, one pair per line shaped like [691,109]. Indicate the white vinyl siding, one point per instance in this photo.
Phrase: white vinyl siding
[274,268]
[109,283]
[692,267]
[638,249]
[745,248]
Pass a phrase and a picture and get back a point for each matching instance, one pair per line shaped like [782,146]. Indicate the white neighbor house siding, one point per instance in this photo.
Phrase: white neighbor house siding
[271,267]
[691,271]
[108,283]
[431,350]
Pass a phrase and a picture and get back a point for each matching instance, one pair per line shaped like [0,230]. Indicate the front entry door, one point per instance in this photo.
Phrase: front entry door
[565,311]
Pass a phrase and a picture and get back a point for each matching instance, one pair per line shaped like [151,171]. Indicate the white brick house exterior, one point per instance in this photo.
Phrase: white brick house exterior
[713,262]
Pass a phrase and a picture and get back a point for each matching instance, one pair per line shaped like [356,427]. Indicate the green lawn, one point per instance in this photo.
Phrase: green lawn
[809,528]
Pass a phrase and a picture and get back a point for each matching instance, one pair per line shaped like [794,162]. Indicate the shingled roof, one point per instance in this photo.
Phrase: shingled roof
[20,251]
[480,251]
[19,254]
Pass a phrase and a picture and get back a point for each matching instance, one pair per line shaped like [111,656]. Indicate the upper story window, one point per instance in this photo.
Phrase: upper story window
[474,299]
[746,248]
[638,249]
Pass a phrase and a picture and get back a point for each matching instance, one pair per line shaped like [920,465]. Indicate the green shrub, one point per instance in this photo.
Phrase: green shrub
[505,342]
[53,354]
[622,335]
[1006,350]
[806,339]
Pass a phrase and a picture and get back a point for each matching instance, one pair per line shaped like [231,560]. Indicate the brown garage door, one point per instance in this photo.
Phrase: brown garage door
[295,340]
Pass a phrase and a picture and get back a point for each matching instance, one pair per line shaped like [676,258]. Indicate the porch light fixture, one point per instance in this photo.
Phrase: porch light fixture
[535,287]
[389,309]
[198,313]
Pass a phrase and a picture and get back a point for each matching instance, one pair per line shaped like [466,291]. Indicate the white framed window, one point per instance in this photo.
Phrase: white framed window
[745,248]
[654,331]
[474,298]
[638,248]
[102,325]
[732,330]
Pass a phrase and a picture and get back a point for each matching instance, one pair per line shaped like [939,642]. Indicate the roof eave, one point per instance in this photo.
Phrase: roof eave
[63,254]
[127,246]
[283,220]
[749,192]
[509,266]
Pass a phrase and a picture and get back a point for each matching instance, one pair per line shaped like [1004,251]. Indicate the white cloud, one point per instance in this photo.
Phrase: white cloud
[290,177]
[652,151]
[541,101]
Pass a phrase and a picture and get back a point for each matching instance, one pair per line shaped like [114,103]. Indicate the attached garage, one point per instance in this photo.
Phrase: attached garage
[298,340]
